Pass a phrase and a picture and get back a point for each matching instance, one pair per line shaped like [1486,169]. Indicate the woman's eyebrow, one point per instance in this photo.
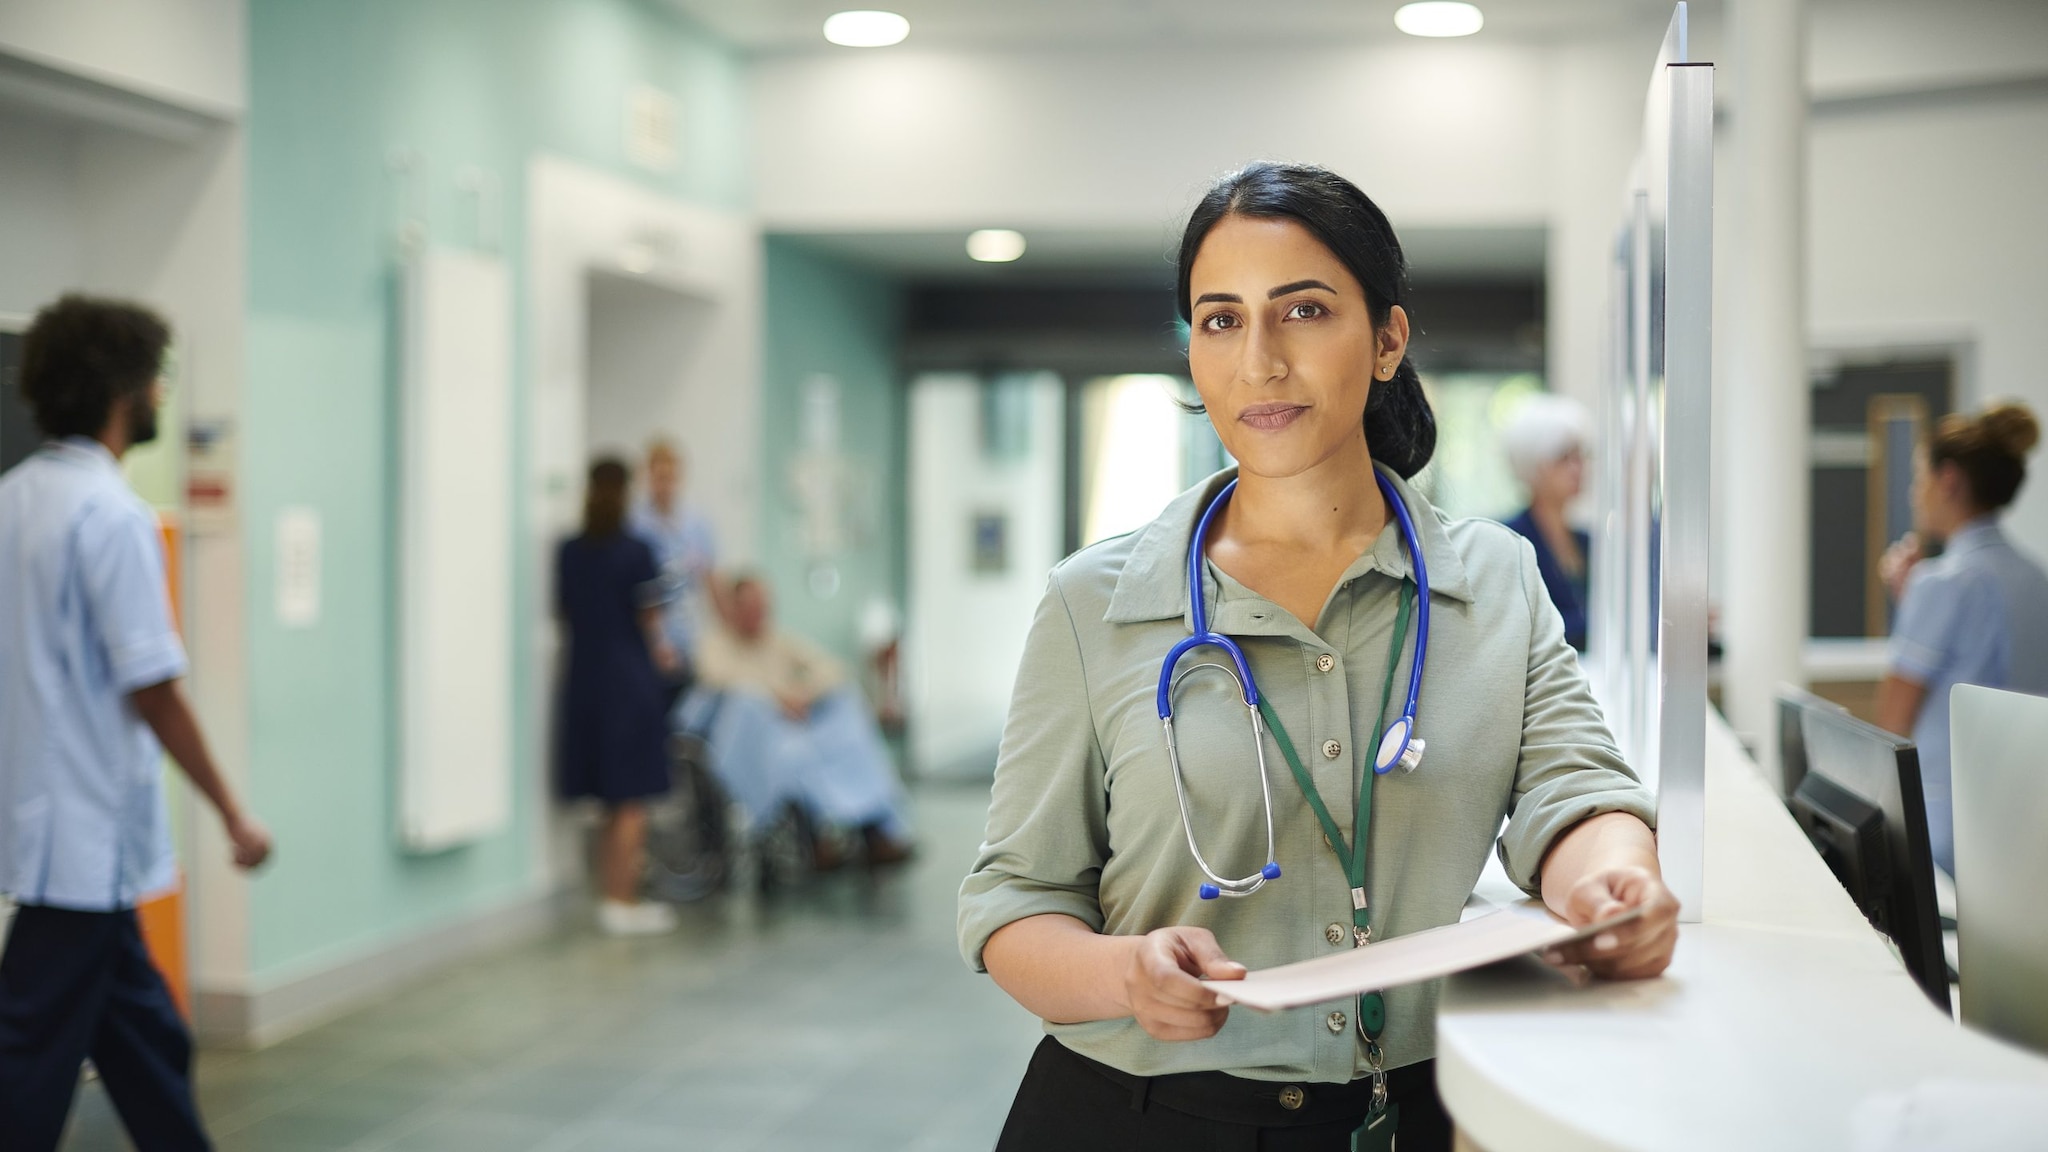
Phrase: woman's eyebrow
[1219,298]
[1297,286]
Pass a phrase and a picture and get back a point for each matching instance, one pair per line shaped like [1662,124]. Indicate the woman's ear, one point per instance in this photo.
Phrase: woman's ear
[1391,344]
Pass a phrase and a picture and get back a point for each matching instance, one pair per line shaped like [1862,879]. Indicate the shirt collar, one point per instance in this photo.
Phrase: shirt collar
[83,450]
[1154,582]
[1978,534]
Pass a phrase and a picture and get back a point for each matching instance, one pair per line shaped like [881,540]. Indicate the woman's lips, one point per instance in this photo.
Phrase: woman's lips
[1271,417]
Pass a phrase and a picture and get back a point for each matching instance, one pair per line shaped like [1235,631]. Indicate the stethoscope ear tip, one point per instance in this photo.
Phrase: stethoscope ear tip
[1209,892]
[1271,871]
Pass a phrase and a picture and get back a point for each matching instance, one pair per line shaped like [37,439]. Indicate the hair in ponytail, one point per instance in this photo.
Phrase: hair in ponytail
[1400,429]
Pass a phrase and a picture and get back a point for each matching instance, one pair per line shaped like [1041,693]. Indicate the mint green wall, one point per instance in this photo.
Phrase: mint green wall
[825,316]
[336,90]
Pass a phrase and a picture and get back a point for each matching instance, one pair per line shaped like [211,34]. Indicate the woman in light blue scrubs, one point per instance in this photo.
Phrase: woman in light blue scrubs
[1976,614]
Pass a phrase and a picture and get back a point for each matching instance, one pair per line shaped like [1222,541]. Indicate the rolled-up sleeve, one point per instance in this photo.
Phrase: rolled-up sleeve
[1048,832]
[1570,768]
[121,565]
[1934,617]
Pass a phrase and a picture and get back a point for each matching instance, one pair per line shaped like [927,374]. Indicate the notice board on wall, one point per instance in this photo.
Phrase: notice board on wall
[455,549]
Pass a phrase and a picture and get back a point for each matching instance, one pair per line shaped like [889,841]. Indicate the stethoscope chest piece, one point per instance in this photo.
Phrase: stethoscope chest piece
[1399,748]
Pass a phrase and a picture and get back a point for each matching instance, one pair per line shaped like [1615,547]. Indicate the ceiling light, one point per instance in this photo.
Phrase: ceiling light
[866,29]
[1438,18]
[995,245]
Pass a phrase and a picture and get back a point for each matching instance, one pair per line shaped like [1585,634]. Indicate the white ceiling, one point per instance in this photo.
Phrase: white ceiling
[796,25]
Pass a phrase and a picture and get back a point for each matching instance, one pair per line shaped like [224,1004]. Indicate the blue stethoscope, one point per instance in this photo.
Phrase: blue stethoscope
[1399,746]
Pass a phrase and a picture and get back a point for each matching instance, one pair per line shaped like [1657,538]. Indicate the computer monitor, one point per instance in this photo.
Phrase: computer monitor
[1860,803]
[1794,703]
[2001,791]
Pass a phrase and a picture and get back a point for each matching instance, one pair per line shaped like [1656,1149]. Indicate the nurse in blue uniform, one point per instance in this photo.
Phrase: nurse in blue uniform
[89,704]
[613,733]
[1976,614]
[686,549]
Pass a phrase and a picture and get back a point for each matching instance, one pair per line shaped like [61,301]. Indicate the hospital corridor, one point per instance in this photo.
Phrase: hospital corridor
[1023,575]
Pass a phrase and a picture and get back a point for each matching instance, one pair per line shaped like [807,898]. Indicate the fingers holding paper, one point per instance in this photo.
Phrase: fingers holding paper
[1163,983]
[1632,950]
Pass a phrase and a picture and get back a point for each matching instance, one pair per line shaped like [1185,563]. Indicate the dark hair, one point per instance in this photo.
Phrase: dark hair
[1400,430]
[1990,448]
[604,500]
[82,354]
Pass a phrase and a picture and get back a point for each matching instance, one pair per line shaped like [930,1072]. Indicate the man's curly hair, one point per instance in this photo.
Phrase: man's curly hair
[82,354]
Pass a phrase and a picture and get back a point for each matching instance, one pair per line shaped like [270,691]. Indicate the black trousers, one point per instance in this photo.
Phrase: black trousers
[79,984]
[1069,1103]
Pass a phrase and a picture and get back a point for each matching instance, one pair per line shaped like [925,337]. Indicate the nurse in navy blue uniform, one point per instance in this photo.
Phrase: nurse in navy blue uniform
[613,734]
[1546,446]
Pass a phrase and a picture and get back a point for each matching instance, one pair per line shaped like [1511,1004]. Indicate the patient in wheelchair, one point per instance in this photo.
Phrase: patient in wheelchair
[790,726]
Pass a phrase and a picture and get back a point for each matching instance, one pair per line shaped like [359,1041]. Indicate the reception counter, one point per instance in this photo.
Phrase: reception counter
[1784,1021]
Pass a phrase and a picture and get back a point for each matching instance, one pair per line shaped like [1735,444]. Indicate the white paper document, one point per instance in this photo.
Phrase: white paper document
[1407,959]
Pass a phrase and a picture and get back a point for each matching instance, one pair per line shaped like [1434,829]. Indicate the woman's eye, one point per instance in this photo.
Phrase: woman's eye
[1218,321]
[1306,310]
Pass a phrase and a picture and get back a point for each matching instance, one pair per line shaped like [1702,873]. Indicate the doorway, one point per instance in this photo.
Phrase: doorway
[640,365]
[1868,419]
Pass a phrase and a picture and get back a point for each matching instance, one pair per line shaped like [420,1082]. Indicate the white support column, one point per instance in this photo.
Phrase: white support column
[1764,453]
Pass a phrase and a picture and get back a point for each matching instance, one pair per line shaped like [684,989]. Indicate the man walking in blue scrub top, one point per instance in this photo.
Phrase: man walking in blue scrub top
[89,701]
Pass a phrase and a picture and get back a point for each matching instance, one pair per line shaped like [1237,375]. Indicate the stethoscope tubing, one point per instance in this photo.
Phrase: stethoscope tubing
[1202,637]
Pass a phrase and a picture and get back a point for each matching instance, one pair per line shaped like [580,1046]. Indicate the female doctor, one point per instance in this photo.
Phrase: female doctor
[1123,865]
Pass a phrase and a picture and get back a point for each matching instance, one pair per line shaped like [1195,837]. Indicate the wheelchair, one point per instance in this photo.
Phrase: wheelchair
[699,841]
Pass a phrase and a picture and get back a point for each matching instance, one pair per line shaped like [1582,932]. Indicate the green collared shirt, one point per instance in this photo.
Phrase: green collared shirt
[1083,819]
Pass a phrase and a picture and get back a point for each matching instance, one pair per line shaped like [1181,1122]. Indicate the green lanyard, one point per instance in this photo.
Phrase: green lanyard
[1372,1009]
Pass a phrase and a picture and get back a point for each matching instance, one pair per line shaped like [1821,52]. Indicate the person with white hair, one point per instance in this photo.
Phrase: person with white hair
[1546,447]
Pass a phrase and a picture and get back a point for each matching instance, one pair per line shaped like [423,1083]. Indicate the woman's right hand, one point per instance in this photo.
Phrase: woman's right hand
[1163,983]
[1897,563]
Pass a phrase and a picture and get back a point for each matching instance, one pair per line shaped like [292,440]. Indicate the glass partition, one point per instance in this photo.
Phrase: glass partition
[1648,628]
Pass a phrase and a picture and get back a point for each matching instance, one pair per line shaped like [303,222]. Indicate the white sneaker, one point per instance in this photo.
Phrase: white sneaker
[642,919]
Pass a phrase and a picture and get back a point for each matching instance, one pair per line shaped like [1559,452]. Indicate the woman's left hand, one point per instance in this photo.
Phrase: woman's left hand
[1629,951]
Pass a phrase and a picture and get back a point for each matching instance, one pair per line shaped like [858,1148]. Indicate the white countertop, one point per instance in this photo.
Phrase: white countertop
[1784,1021]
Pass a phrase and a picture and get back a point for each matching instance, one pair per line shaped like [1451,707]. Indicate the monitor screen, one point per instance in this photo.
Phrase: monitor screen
[1883,771]
[1793,705]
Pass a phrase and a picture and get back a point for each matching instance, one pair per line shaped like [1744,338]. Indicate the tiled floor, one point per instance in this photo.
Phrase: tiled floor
[838,1016]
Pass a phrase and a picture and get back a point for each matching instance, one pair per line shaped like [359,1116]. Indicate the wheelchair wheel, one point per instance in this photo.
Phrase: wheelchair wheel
[689,844]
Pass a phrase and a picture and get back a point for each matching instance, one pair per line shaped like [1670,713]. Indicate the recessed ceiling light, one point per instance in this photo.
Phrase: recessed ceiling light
[1439,18]
[866,29]
[995,245]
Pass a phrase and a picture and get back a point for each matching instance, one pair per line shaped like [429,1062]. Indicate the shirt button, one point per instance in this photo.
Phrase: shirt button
[1336,1021]
[1334,933]
[1292,1097]
[1332,749]
[1325,662]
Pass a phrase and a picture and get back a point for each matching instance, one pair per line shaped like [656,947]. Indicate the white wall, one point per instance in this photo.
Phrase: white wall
[39,239]
[1438,133]
[966,629]
[1865,46]
[1928,226]
[184,52]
